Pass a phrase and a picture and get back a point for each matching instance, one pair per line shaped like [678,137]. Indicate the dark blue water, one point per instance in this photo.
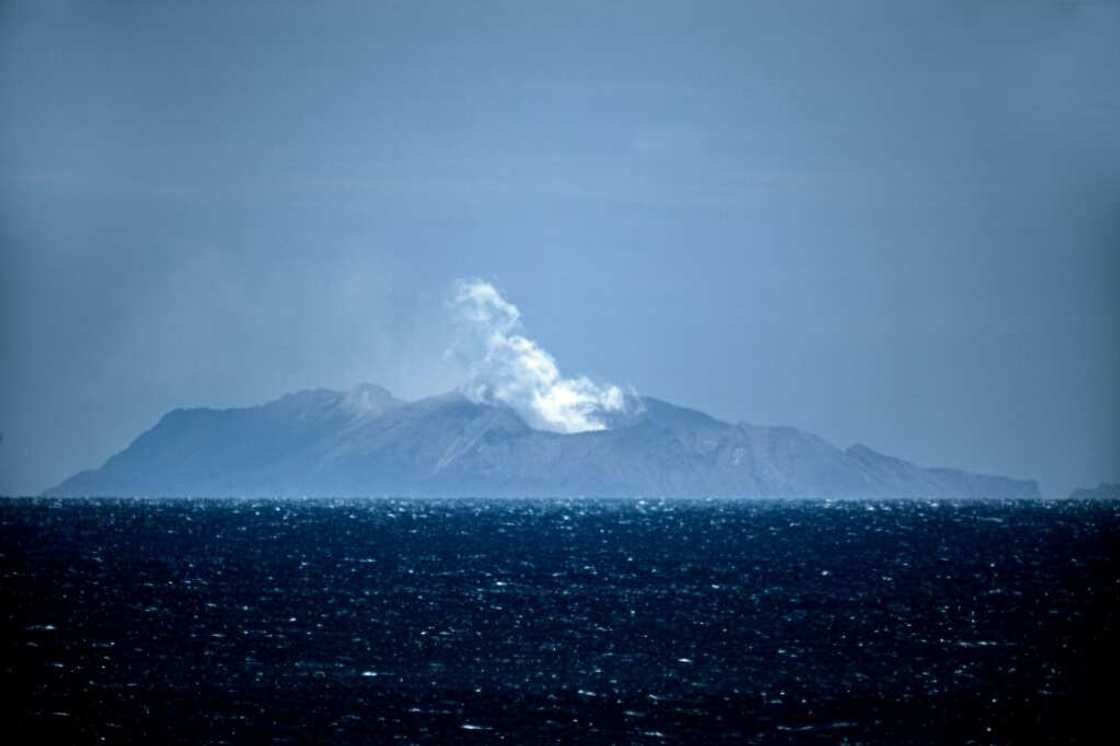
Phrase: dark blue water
[486,621]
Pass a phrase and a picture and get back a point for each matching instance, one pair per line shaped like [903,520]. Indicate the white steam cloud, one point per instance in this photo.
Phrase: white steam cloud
[509,368]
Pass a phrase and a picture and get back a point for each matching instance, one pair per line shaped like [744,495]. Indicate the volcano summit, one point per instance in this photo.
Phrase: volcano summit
[365,442]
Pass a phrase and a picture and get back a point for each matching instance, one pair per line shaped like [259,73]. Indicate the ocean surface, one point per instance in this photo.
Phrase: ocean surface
[484,621]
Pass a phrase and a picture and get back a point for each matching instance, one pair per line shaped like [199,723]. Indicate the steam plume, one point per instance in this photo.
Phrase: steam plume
[507,367]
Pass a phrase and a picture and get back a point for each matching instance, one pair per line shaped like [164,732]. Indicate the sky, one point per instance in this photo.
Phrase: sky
[894,223]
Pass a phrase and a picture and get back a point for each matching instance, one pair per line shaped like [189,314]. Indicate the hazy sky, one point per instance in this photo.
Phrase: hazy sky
[884,222]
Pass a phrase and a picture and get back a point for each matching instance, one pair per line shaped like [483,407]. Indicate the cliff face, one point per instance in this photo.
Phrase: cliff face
[364,442]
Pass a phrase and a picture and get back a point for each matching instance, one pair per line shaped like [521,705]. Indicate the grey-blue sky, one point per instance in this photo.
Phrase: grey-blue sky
[895,223]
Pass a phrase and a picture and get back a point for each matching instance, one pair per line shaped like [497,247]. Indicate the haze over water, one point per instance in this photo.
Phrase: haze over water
[885,223]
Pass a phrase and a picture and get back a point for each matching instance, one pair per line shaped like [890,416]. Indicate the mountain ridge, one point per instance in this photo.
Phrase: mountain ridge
[366,442]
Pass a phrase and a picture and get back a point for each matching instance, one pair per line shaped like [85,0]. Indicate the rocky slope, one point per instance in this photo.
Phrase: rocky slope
[364,442]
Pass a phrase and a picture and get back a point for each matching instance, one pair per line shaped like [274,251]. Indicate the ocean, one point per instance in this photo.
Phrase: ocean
[485,621]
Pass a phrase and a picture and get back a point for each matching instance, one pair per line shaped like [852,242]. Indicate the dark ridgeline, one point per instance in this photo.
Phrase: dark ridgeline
[364,442]
[191,622]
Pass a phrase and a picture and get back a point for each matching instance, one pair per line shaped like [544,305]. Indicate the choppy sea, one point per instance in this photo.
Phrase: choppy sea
[484,621]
